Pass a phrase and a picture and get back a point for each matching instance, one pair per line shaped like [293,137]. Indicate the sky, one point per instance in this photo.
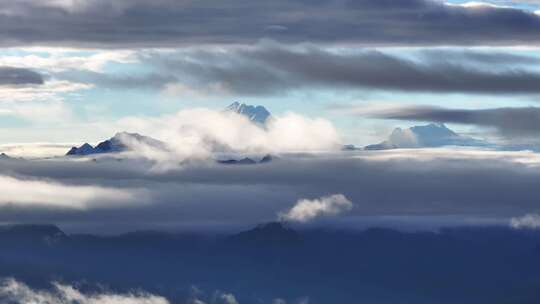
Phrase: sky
[331,72]
[66,67]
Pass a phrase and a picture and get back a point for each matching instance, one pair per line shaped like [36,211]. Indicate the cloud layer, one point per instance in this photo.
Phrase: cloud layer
[49,194]
[273,69]
[127,23]
[422,183]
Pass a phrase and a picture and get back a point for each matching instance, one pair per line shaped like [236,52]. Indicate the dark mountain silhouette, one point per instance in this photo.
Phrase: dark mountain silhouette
[266,234]
[31,232]
[246,161]
[458,265]
[121,142]
[243,161]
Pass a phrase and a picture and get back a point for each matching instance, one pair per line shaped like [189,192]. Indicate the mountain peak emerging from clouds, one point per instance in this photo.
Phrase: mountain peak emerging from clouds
[120,142]
[427,136]
[256,114]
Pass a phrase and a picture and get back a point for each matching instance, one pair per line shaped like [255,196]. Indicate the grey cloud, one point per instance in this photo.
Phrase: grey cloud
[126,23]
[511,122]
[274,69]
[492,58]
[10,76]
[115,81]
[199,195]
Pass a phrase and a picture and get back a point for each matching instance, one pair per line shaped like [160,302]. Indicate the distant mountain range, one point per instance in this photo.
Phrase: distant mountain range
[428,136]
[120,142]
[273,233]
[246,161]
[124,141]
[258,265]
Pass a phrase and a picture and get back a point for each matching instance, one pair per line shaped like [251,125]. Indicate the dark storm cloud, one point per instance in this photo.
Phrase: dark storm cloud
[489,185]
[275,69]
[10,76]
[512,122]
[128,23]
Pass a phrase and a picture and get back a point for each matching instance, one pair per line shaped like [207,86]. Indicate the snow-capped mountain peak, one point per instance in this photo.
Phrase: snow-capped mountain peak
[256,114]
[431,135]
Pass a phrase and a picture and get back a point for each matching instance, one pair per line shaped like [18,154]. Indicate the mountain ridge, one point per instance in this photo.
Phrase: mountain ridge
[124,141]
[426,136]
[120,142]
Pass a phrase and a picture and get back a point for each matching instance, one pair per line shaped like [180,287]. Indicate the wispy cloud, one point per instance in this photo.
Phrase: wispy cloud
[60,60]
[528,221]
[50,194]
[50,90]
[14,291]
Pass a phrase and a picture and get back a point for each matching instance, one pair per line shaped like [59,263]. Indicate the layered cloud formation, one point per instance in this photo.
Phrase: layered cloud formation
[272,69]
[131,65]
[427,183]
[168,22]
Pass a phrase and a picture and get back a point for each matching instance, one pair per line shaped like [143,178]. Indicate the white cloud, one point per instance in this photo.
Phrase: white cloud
[20,192]
[528,221]
[227,298]
[50,90]
[306,210]
[35,150]
[199,133]
[59,60]
[19,293]
[478,4]
[217,298]
[524,157]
